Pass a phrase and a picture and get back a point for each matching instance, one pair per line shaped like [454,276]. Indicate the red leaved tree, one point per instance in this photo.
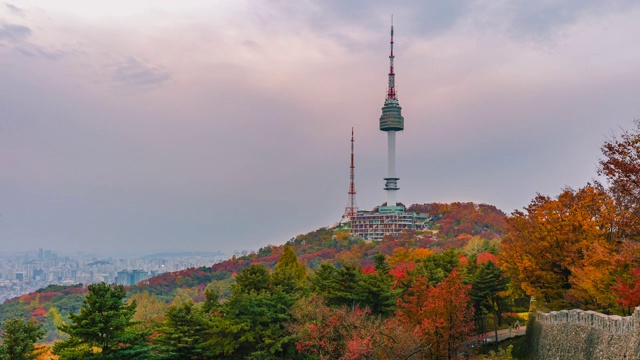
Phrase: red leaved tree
[341,333]
[629,291]
[439,317]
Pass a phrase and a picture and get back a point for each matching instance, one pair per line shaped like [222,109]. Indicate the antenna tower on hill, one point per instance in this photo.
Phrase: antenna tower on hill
[352,208]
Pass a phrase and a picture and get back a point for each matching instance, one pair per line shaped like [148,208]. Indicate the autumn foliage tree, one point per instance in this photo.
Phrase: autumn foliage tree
[289,271]
[149,309]
[628,290]
[335,333]
[439,317]
[593,277]
[547,242]
[464,218]
[620,167]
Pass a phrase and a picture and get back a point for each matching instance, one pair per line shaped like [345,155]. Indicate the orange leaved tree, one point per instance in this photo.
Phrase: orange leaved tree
[545,248]
[440,317]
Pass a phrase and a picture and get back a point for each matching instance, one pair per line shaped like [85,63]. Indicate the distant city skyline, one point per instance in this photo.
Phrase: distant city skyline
[29,271]
[116,253]
[225,126]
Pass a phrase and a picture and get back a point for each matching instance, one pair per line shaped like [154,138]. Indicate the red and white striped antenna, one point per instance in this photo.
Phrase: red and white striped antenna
[352,207]
[391,92]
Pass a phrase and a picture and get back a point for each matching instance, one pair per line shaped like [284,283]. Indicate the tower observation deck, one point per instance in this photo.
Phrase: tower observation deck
[390,219]
[391,121]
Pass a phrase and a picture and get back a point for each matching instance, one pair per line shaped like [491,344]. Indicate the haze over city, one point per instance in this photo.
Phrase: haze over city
[152,126]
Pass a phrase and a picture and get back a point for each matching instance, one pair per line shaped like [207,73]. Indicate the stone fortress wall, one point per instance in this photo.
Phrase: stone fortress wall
[577,334]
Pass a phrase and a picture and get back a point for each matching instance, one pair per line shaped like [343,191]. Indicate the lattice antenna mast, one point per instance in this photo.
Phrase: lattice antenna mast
[352,207]
[391,92]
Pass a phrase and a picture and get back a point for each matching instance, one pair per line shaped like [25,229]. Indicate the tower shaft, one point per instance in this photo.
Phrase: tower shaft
[391,181]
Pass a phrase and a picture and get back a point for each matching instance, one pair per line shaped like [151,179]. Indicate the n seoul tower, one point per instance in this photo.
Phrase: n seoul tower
[391,121]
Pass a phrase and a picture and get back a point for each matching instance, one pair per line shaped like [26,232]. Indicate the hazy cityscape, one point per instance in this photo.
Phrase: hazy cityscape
[144,143]
[22,273]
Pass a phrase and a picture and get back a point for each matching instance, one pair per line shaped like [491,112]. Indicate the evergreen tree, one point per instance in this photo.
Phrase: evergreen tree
[349,287]
[182,333]
[104,323]
[381,265]
[487,284]
[344,287]
[375,289]
[254,278]
[211,302]
[251,324]
[436,267]
[321,280]
[18,338]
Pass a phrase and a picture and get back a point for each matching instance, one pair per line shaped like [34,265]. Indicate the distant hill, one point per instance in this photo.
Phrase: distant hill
[455,224]
[176,254]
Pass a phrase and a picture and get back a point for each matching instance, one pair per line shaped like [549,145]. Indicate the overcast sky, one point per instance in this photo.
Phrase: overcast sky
[144,126]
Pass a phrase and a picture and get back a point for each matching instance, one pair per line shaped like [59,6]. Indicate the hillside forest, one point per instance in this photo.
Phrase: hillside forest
[429,294]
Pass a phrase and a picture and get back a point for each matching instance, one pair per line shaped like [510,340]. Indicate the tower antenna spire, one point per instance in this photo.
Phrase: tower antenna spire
[391,92]
[351,209]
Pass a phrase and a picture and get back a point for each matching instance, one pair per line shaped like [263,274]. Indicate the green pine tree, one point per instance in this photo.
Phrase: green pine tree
[182,333]
[251,324]
[344,288]
[438,266]
[253,278]
[321,280]
[487,284]
[104,323]
[375,290]
[18,339]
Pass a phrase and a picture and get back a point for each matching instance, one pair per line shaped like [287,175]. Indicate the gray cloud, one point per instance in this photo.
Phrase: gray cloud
[14,33]
[428,17]
[523,19]
[14,9]
[34,51]
[541,19]
[17,37]
[344,22]
[133,72]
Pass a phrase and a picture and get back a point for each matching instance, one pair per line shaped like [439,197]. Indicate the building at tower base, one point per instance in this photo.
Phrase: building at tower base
[387,220]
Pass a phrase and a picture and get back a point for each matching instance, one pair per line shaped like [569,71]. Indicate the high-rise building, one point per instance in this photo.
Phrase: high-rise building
[138,275]
[123,278]
[126,277]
